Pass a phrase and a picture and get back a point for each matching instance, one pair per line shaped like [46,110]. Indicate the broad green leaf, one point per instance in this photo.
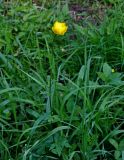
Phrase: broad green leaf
[117,155]
[107,70]
[114,143]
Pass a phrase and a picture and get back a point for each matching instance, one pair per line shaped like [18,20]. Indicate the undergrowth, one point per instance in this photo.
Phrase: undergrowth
[59,97]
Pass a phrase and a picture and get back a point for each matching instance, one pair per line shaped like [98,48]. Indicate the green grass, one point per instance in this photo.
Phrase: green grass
[58,96]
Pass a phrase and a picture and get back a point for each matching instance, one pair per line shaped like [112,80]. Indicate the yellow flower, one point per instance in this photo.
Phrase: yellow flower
[59,28]
[113,70]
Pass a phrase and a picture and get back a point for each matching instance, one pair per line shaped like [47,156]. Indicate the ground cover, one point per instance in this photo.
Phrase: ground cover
[62,96]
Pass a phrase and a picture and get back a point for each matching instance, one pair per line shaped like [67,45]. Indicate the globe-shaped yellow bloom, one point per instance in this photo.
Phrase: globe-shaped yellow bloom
[59,28]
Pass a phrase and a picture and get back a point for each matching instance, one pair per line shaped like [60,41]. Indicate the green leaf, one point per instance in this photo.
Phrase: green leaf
[102,76]
[107,70]
[70,105]
[121,145]
[114,143]
[65,10]
[117,155]
[33,113]
[59,145]
[80,29]
[122,155]
[81,74]
[3,59]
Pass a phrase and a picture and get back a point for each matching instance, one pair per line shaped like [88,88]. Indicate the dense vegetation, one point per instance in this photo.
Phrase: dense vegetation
[61,97]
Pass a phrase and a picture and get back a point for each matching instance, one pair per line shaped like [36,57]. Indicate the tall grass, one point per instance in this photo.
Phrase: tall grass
[59,98]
